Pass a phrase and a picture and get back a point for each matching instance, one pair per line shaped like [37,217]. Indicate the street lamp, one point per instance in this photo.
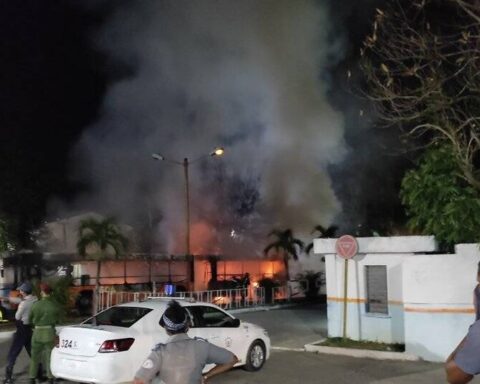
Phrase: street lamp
[218,151]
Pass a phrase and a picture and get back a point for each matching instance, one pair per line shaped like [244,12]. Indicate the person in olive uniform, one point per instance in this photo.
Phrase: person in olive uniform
[23,335]
[44,316]
[181,359]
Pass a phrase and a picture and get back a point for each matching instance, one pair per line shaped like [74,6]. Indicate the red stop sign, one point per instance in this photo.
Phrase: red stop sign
[346,246]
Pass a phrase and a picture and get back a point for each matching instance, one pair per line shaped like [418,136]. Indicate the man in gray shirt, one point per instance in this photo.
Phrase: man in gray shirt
[464,362]
[181,359]
[476,295]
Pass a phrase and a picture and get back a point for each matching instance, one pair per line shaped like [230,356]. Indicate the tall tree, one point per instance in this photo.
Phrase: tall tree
[100,240]
[323,233]
[439,201]
[285,244]
[420,65]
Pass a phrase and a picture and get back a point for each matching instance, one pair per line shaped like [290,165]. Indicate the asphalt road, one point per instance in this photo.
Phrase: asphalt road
[290,329]
[304,368]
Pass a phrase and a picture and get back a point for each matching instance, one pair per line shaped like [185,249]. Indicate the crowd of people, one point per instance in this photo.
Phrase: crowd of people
[35,321]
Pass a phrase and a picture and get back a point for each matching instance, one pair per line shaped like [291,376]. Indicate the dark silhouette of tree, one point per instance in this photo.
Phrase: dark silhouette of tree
[439,201]
[420,64]
[285,244]
[323,233]
[100,240]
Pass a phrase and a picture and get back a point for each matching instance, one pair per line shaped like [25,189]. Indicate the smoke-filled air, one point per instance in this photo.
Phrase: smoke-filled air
[244,75]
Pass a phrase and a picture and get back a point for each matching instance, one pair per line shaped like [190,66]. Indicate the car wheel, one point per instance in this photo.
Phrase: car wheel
[255,356]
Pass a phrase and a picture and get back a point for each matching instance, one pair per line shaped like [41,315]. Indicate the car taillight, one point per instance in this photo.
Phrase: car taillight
[118,345]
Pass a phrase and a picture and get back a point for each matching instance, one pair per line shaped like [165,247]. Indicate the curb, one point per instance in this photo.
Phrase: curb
[287,349]
[361,353]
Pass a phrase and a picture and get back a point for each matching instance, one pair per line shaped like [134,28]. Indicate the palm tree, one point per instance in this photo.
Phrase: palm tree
[286,244]
[324,233]
[105,238]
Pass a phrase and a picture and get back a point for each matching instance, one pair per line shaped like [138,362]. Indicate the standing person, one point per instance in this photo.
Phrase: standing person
[22,337]
[3,314]
[245,284]
[44,316]
[464,362]
[181,359]
[476,295]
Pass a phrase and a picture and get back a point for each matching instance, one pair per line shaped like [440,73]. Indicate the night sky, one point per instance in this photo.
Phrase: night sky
[52,83]
[54,80]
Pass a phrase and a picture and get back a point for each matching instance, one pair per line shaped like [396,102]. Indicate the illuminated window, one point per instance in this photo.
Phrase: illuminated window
[377,290]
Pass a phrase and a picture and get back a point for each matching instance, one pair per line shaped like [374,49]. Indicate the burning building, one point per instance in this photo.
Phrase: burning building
[57,255]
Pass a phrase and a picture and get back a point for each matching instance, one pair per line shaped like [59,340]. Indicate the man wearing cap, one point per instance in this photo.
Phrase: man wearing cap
[44,316]
[23,336]
[181,359]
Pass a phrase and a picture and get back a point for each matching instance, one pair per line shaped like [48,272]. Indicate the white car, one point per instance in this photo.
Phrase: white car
[110,347]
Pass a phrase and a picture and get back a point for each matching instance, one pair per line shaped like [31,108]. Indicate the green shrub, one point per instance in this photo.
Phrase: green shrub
[309,282]
[362,344]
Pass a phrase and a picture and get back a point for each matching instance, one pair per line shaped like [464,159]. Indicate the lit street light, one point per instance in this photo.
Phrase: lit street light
[219,151]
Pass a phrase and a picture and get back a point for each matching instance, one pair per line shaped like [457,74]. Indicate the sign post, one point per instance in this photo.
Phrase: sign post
[346,247]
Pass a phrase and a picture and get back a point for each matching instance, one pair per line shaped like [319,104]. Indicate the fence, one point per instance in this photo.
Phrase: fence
[293,290]
[225,298]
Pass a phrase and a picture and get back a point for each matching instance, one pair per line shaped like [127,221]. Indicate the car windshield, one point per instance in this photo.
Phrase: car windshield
[118,316]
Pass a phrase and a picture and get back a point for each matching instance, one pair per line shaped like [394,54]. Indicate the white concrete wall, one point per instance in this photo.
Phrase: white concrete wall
[360,324]
[430,295]
[392,244]
[438,300]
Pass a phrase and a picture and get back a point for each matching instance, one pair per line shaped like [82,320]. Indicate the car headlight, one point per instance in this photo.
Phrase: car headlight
[265,332]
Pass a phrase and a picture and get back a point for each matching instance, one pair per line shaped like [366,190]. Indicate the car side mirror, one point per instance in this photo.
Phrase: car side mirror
[235,323]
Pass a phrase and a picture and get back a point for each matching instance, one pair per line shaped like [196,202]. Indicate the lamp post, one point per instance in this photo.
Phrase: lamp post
[218,151]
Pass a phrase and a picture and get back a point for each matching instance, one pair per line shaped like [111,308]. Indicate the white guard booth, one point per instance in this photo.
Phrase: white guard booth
[401,291]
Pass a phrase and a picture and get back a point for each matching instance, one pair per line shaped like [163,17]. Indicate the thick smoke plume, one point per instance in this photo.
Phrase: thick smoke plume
[246,75]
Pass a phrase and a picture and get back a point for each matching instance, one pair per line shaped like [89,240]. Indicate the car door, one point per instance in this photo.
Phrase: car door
[217,327]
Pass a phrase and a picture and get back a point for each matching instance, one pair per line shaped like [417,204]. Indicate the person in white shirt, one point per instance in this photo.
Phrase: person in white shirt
[22,338]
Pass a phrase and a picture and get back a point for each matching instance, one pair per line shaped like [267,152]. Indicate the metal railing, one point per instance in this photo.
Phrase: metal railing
[280,294]
[285,293]
[225,298]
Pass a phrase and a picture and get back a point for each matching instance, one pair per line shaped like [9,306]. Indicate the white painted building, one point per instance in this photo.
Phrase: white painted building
[401,291]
